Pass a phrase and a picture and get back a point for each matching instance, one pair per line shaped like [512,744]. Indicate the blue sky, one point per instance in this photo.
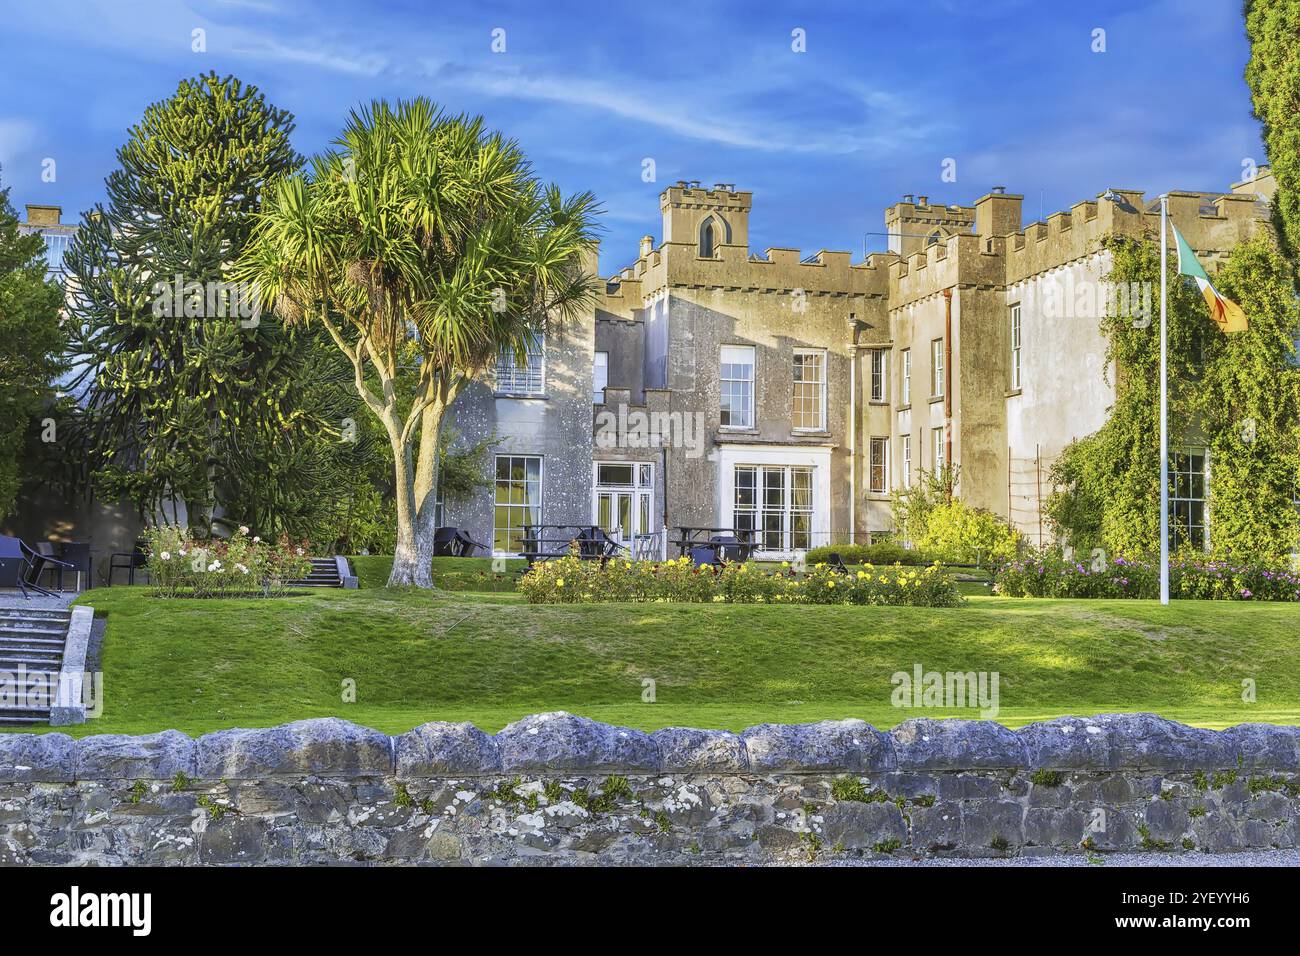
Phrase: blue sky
[885,92]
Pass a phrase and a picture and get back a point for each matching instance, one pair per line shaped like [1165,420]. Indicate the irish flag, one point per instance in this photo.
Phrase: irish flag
[1226,313]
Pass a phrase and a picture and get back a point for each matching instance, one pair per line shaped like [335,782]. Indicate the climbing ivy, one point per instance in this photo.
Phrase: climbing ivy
[1238,395]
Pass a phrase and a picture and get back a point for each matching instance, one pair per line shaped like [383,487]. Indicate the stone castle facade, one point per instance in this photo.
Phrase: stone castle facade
[716,386]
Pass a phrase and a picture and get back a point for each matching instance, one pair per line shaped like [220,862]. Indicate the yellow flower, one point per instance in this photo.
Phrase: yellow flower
[830,584]
[785,564]
[861,575]
[560,583]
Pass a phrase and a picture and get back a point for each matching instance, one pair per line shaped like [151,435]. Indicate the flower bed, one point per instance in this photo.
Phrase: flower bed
[239,566]
[572,581]
[1191,576]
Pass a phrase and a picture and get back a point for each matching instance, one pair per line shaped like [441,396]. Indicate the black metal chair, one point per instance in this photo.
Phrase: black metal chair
[21,567]
[76,555]
[835,563]
[128,561]
[445,543]
[706,555]
[467,544]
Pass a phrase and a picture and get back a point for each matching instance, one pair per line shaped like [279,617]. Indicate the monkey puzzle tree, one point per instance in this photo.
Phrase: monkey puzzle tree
[180,376]
[425,246]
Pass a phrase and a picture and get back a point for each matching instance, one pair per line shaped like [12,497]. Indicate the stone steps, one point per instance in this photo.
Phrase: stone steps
[324,574]
[32,640]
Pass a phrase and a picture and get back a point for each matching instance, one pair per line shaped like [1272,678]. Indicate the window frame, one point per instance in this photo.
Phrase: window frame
[821,355]
[511,506]
[936,368]
[1016,332]
[905,385]
[938,444]
[724,381]
[596,364]
[905,460]
[878,370]
[507,366]
[878,466]
[1186,502]
[789,539]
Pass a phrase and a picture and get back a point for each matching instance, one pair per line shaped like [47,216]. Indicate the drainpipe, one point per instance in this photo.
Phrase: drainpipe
[853,440]
[947,382]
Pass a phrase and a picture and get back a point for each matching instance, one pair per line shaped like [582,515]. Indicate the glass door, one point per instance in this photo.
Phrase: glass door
[622,499]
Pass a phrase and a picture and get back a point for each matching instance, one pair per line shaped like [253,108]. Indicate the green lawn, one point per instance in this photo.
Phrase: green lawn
[199,665]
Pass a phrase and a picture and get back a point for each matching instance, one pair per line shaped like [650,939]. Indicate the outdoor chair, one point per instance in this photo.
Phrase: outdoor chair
[705,555]
[835,563]
[76,555]
[446,543]
[21,567]
[467,545]
[128,561]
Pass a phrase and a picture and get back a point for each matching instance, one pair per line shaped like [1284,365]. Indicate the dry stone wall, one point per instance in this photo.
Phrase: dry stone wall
[563,790]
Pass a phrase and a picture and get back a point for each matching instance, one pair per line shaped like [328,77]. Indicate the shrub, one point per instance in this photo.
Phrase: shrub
[1192,575]
[880,554]
[935,521]
[570,580]
[181,566]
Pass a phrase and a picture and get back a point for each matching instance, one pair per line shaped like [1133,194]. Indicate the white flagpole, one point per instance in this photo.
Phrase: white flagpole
[1164,408]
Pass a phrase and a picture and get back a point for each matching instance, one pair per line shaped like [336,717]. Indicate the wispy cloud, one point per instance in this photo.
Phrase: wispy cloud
[323,57]
[659,104]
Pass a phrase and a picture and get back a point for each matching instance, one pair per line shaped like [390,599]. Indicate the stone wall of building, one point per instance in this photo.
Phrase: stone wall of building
[559,789]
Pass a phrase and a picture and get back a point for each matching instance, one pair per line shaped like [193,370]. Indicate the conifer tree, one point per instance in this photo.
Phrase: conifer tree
[182,377]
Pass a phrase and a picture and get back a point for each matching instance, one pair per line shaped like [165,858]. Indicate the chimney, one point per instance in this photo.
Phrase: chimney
[647,246]
[923,200]
[998,213]
[43,215]
[907,197]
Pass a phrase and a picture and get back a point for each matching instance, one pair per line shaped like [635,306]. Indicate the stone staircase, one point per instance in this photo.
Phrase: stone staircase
[327,573]
[32,642]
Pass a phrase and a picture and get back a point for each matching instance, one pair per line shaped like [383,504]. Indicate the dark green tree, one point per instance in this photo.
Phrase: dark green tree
[1273,73]
[31,342]
[183,377]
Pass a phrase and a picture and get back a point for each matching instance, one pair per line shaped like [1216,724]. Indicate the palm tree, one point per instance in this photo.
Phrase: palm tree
[425,246]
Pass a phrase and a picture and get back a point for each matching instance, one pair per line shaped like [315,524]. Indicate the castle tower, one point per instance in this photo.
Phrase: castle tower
[707,218]
[912,225]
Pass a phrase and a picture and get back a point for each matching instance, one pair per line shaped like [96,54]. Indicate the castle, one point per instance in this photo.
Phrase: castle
[714,386]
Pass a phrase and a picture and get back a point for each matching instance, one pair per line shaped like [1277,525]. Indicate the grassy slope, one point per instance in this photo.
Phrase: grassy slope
[201,665]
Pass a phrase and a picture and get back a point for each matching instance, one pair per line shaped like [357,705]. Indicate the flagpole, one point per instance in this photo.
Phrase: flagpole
[1164,406]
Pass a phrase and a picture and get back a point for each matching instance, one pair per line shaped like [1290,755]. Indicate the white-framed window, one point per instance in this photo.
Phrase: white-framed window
[809,390]
[599,377]
[526,379]
[776,502]
[518,501]
[623,497]
[936,368]
[1188,517]
[1015,346]
[879,374]
[737,378]
[905,460]
[878,468]
[907,377]
[937,451]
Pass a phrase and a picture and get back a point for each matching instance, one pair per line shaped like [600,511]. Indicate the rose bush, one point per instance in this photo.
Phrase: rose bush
[570,580]
[1192,575]
[241,565]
